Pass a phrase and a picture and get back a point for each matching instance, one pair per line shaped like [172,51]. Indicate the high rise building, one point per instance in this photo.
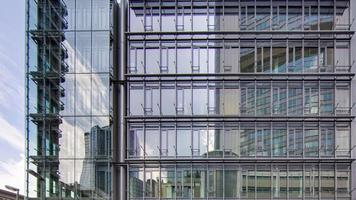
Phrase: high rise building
[162,99]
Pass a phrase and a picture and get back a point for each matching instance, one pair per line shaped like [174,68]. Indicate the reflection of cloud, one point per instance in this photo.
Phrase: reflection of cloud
[12,173]
[11,135]
[73,130]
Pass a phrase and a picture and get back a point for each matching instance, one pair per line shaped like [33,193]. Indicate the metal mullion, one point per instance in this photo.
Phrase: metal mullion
[319,53]
[303,181]
[271,181]
[287,98]
[207,146]
[318,14]
[191,99]
[191,141]
[271,16]
[303,139]
[270,56]
[287,17]
[255,56]
[175,180]
[160,140]
[176,15]
[223,180]
[271,140]
[288,128]
[334,15]
[191,180]
[319,180]
[160,182]
[207,55]
[144,178]
[175,144]
[255,132]
[255,177]
[254,17]
[319,100]
[287,179]
[192,58]
[335,181]
[255,95]
[160,17]
[303,98]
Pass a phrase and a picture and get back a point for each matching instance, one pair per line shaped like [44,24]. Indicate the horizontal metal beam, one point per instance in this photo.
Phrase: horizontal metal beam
[195,118]
[262,32]
[245,75]
[235,160]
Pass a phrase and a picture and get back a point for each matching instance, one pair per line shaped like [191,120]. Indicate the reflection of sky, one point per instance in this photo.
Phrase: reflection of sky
[12,93]
[83,124]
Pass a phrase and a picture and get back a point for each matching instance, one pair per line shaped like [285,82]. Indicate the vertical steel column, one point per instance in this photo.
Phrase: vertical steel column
[122,191]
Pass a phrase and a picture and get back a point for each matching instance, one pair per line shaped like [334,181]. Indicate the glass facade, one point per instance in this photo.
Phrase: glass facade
[189,99]
[69,101]
[238,99]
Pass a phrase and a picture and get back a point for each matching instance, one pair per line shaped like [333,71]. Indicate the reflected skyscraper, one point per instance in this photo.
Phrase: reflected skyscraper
[190,99]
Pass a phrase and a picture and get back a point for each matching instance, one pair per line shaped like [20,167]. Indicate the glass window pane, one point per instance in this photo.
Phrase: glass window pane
[311,140]
[231,178]
[247,60]
[295,16]
[101,52]
[343,176]
[247,141]
[263,181]
[342,21]
[279,53]
[263,140]
[263,98]
[279,140]
[199,178]
[311,181]
[326,18]
[83,14]
[184,146]
[215,182]
[310,57]
[152,142]
[101,14]
[295,178]
[279,182]
[247,98]
[327,139]
[342,143]
[295,140]
[184,186]
[310,18]
[327,187]
[263,15]
[152,182]
[279,19]
[83,52]
[200,99]
[295,98]
[248,185]
[231,142]
[136,99]
[136,180]
[167,182]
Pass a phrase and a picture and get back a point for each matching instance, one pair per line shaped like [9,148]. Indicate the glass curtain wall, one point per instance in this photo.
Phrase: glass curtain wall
[69,63]
[238,99]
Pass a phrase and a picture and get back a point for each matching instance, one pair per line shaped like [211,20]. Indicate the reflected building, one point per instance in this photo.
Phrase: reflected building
[190,99]
[70,60]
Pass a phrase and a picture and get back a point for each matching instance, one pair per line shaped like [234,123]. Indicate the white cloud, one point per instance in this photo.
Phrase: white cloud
[13,174]
[11,135]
